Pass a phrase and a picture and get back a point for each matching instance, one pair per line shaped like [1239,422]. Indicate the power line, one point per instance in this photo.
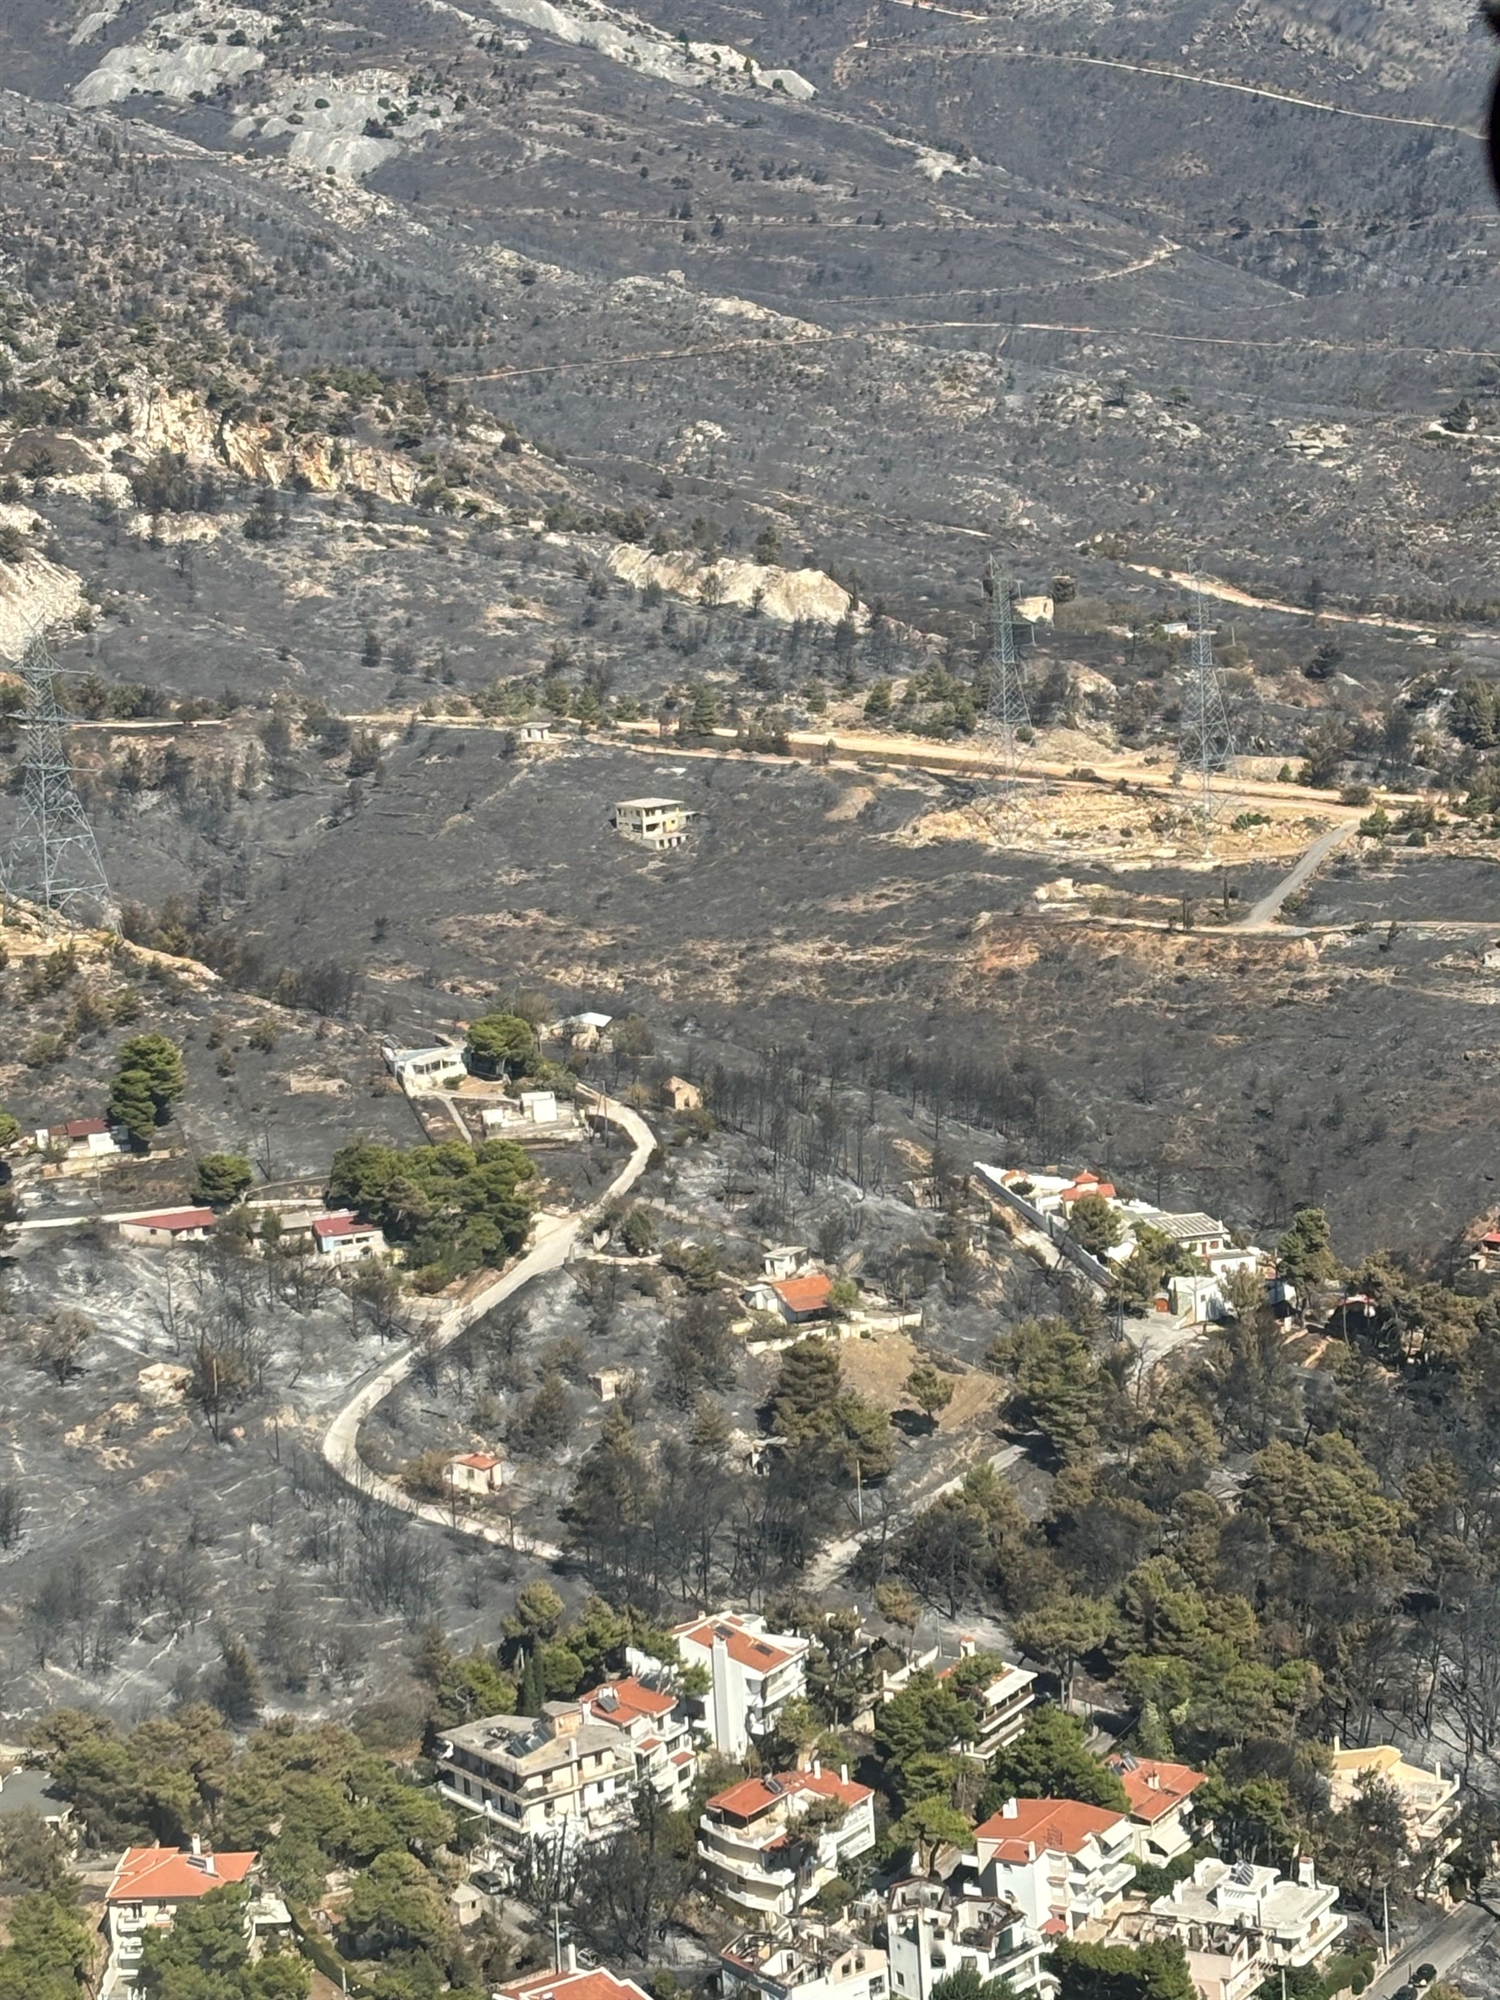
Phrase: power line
[54,857]
[1007,714]
[1206,745]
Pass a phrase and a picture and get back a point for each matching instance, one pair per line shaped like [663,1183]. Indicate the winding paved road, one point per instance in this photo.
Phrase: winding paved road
[1263,914]
[547,1253]
[1441,1946]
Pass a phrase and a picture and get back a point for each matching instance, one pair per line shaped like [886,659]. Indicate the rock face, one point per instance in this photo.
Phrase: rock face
[784,594]
[35,595]
[159,420]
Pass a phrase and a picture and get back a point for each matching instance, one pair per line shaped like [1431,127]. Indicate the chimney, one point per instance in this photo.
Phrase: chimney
[1153,1779]
[1338,1744]
[966,1648]
[844,1773]
[817,1767]
[1307,1875]
[570,1956]
[1010,1810]
[197,1845]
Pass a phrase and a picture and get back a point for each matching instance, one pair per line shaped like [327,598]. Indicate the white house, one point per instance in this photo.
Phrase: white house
[752,1673]
[1296,1919]
[1001,1699]
[1061,1863]
[1429,1800]
[150,1885]
[580,1031]
[656,1724]
[341,1238]
[783,1260]
[426,1069]
[933,1931]
[1161,1805]
[476,1473]
[558,1774]
[170,1227]
[751,1852]
[655,823]
[78,1139]
[805,1952]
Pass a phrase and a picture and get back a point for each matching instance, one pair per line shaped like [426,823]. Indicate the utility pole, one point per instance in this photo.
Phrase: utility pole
[1206,746]
[54,857]
[1007,713]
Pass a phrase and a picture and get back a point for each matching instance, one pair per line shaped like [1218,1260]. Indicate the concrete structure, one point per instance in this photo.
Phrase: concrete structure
[580,1031]
[607,1383]
[1224,1962]
[783,1260]
[1001,1701]
[171,1226]
[932,1931]
[341,1238]
[559,1774]
[1485,1256]
[804,1301]
[150,1885]
[1161,1805]
[677,1094]
[1061,1863]
[752,1673]
[659,1731]
[532,1107]
[752,1853]
[79,1139]
[805,1954]
[655,823]
[1296,1920]
[476,1473]
[1429,1800]
[534,732]
[425,1069]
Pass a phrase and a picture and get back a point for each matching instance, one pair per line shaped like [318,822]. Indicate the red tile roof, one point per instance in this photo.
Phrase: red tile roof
[173,1874]
[1061,1825]
[343,1224]
[754,1796]
[595,1985]
[804,1295]
[177,1219]
[1155,1788]
[759,1655]
[84,1128]
[481,1461]
[632,1701]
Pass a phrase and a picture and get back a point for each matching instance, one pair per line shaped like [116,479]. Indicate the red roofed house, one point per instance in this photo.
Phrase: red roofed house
[752,1674]
[342,1238]
[1059,1862]
[801,1301]
[170,1227]
[571,1984]
[79,1139]
[477,1472]
[1485,1256]
[149,1885]
[1161,1809]
[751,1850]
[659,1730]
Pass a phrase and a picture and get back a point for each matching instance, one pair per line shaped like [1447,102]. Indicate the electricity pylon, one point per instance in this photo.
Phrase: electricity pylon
[1206,745]
[1006,714]
[54,857]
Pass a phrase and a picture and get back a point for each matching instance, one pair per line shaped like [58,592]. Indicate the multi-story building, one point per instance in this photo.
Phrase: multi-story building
[1295,1920]
[932,1931]
[805,1955]
[1000,1703]
[1161,1805]
[655,1723]
[150,1886]
[1429,1801]
[656,823]
[1061,1863]
[767,1845]
[1224,1962]
[752,1674]
[556,1775]
[570,1982]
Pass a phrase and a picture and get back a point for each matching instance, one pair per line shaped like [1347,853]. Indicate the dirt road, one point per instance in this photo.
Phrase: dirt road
[548,1253]
[1263,915]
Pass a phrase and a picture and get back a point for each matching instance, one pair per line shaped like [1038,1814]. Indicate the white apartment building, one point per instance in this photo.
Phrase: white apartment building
[150,1886]
[656,823]
[805,1955]
[753,1853]
[1061,1863]
[556,1774]
[657,1728]
[1001,1702]
[1295,1919]
[932,1931]
[752,1674]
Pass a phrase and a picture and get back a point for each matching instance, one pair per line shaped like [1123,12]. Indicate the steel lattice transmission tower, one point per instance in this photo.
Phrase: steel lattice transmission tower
[1206,746]
[1007,713]
[54,857]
